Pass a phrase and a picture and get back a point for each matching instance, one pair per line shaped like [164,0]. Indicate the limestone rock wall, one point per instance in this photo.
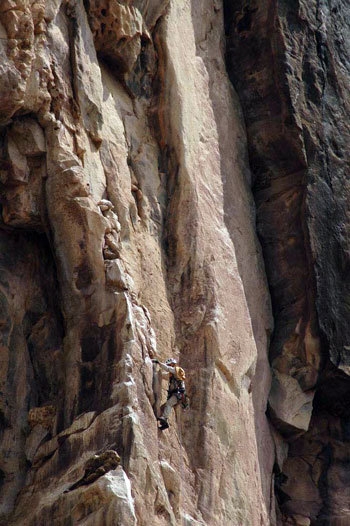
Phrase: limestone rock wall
[127,232]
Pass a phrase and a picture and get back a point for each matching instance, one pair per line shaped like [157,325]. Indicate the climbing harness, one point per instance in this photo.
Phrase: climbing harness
[176,393]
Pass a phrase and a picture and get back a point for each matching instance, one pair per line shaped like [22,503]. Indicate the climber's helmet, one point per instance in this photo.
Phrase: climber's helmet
[170,361]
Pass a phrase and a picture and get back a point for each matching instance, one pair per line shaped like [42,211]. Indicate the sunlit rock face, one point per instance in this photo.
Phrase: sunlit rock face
[127,232]
[290,64]
[148,151]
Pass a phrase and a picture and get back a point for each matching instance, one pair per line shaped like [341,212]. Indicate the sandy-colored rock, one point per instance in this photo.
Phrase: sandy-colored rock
[19,170]
[86,73]
[131,182]
[96,467]
[115,276]
[127,232]
[29,137]
[18,32]
[34,440]
[290,403]
[117,30]
[124,296]
[24,169]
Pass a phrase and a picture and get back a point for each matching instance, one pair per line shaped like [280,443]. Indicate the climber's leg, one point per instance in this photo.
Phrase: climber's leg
[171,402]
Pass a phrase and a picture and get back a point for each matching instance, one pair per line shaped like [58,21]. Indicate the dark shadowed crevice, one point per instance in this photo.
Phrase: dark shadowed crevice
[283,62]
[31,342]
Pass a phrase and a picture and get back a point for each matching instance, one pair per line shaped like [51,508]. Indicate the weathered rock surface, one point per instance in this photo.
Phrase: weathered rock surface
[126,225]
[290,63]
[127,232]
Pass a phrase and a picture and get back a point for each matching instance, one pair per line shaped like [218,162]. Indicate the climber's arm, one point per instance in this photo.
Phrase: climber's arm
[165,367]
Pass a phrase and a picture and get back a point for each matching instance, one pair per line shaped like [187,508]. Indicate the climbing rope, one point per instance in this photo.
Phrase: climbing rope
[178,414]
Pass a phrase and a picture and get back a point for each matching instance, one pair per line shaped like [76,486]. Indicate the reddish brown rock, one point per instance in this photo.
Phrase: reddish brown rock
[290,65]
[115,165]
[127,232]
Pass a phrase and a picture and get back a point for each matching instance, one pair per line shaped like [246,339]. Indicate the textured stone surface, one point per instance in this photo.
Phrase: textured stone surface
[127,232]
[290,63]
[126,224]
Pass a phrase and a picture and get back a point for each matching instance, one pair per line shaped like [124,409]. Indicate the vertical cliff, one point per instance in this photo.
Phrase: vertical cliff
[290,64]
[157,158]
[128,232]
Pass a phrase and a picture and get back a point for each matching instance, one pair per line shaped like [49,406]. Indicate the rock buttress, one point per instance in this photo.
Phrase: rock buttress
[127,226]
[289,62]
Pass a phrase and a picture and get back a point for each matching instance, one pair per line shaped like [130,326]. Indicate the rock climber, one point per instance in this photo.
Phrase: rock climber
[176,389]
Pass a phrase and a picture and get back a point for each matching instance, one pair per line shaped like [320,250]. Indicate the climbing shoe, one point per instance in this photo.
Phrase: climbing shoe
[163,423]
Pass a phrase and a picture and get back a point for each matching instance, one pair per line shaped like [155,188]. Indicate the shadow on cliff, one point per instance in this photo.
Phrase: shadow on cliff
[239,218]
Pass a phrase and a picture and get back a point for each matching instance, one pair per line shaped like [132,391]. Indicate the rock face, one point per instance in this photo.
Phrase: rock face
[290,64]
[127,232]
[126,224]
